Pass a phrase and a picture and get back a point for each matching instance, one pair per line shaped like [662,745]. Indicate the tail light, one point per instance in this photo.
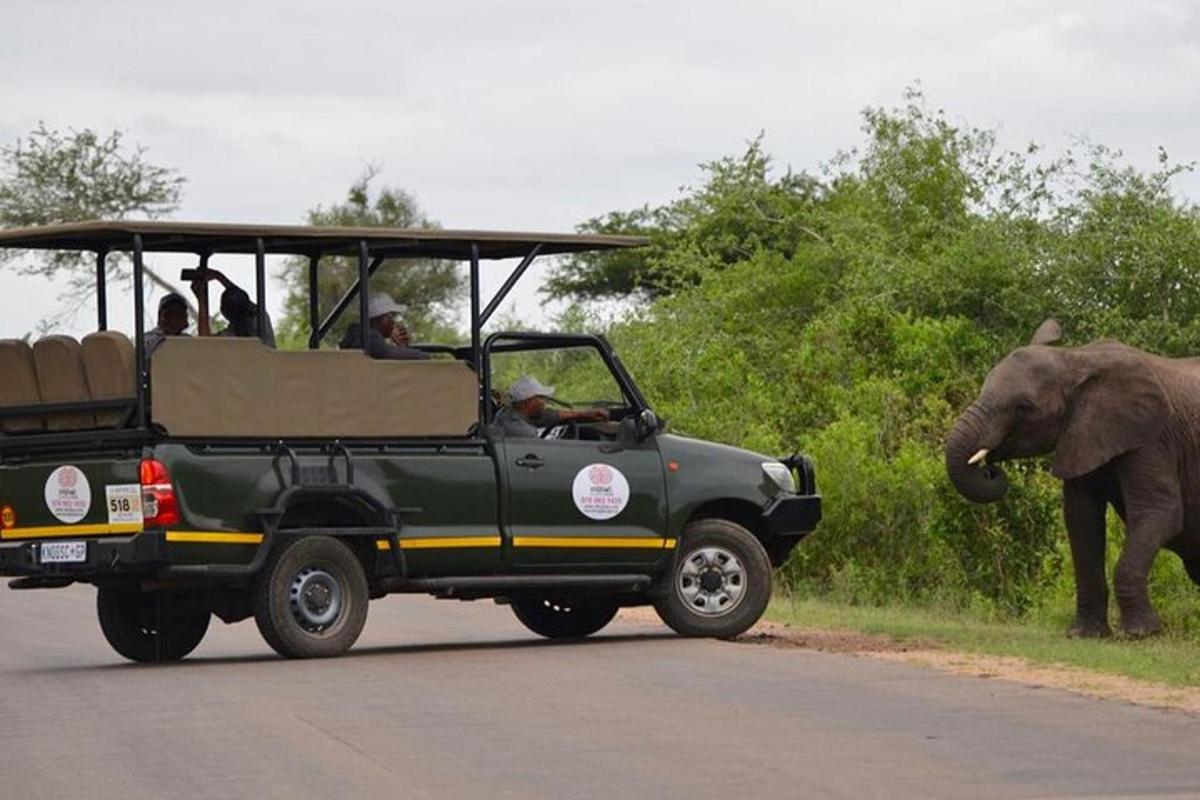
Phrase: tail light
[159,506]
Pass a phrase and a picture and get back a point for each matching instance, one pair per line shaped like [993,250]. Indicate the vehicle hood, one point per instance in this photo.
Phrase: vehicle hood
[737,471]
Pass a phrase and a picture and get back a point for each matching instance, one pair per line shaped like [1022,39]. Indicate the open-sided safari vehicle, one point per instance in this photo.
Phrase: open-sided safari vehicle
[219,476]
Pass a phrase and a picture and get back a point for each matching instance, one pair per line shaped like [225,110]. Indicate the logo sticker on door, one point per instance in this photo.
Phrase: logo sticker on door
[68,494]
[600,491]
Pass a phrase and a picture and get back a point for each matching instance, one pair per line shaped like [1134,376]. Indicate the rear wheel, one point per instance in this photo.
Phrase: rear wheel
[562,618]
[310,600]
[720,581]
[150,627]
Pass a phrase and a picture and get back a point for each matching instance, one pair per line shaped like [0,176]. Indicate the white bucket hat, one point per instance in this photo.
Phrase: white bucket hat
[526,387]
[380,304]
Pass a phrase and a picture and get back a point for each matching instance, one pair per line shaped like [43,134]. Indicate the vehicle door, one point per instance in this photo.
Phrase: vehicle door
[580,493]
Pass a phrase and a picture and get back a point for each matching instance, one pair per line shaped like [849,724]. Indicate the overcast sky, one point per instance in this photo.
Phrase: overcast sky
[536,115]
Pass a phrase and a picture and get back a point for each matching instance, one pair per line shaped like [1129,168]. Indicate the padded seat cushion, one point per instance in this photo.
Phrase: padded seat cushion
[18,385]
[60,379]
[108,365]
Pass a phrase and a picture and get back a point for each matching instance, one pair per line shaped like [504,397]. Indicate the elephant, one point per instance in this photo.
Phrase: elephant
[1124,427]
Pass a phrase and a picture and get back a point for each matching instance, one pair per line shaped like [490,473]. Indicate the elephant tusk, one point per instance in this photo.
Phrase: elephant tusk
[975,459]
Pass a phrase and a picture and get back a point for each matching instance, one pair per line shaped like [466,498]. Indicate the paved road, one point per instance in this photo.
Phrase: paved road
[446,699]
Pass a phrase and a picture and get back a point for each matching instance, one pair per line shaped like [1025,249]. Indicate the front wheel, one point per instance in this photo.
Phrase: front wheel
[561,618]
[150,627]
[310,600]
[720,583]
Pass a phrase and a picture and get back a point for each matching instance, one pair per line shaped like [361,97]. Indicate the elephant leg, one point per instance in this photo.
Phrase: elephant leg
[1083,510]
[1154,516]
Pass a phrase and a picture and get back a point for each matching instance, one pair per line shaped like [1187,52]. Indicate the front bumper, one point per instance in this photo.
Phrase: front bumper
[792,515]
[106,557]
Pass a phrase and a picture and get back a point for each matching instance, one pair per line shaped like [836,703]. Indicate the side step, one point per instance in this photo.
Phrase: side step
[41,582]
[472,586]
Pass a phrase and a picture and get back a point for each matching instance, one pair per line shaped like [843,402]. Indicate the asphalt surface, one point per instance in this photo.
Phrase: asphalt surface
[447,699]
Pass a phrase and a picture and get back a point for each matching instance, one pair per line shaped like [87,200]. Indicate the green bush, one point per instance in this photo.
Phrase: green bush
[854,316]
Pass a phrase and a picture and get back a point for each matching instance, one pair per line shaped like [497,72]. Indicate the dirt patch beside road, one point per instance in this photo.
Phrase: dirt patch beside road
[929,654]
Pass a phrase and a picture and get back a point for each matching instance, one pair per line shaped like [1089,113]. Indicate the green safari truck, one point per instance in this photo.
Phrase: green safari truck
[193,477]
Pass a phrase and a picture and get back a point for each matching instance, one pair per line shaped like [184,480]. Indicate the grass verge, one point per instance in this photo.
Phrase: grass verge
[1166,659]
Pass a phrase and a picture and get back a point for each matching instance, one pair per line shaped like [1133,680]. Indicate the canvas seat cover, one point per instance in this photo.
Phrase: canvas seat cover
[230,387]
[60,379]
[18,385]
[108,358]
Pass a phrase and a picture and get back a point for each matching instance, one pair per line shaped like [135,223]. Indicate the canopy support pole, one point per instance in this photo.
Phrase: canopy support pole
[139,329]
[314,310]
[364,275]
[476,325]
[101,290]
[260,286]
[509,284]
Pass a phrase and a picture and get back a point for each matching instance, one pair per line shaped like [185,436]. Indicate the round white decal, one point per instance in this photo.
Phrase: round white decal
[68,495]
[600,491]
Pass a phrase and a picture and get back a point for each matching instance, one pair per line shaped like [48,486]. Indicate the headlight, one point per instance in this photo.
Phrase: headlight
[780,475]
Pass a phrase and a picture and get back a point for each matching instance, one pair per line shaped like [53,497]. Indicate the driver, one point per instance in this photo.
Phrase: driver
[526,410]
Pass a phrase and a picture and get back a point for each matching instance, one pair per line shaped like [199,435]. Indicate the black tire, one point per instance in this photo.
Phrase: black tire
[694,605]
[150,627]
[303,582]
[562,618]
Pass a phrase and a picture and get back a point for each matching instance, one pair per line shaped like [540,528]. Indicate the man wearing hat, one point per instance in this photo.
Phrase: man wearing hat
[386,337]
[172,321]
[526,410]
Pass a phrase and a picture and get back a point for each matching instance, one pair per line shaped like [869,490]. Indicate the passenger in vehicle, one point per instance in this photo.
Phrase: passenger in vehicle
[526,410]
[237,308]
[387,338]
[172,321]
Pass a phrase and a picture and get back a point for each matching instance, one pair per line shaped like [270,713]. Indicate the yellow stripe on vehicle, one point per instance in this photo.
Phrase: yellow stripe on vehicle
[669,544]
[48,531]
[214,537]
[442,541]
[647,542]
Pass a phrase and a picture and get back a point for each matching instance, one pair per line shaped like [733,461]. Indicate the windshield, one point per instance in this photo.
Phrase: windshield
[579,375]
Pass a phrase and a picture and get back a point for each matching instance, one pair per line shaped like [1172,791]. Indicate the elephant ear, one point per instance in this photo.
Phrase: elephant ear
[1049,332]
[1120,405]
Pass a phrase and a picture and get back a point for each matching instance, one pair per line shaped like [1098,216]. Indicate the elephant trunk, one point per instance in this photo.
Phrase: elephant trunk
[980,482]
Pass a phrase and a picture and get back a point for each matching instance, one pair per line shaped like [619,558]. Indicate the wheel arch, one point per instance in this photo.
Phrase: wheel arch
[746,514]
[337,512]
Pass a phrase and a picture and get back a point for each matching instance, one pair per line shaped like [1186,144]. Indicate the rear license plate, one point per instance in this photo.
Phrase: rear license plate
[63,552]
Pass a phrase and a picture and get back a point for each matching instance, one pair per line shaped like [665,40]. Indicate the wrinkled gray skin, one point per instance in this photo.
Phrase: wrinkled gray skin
[1124,427]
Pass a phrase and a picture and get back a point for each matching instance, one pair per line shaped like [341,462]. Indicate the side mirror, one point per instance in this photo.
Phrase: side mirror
[647,424]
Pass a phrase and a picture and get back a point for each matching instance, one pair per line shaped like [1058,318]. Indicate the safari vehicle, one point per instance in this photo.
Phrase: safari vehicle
[221,477]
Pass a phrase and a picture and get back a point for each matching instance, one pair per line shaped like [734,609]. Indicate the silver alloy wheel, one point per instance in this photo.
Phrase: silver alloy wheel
[711,581]
[316,599]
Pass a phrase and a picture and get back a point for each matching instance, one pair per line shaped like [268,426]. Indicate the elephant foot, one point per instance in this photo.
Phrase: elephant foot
[1141,626]
[1089,629]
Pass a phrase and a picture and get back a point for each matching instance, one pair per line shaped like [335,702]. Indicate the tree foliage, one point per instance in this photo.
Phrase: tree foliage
[430,288]
[52,177]
[852,312]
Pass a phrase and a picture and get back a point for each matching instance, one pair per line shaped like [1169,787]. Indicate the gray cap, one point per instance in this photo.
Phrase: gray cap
[380,304]
[526,387]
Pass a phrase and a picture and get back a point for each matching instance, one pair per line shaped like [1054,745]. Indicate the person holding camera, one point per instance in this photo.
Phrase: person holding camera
[239,311]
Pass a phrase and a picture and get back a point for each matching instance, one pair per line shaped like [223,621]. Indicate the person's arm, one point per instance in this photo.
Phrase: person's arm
[203,324]
[379,347]
[583,415]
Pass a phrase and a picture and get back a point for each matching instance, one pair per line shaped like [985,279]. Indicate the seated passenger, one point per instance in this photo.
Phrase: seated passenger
[386,337]
[237,308]
[172,321]
[526,410]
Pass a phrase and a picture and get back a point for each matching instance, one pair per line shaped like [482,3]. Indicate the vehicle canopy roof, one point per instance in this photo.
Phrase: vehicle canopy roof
[205,237]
